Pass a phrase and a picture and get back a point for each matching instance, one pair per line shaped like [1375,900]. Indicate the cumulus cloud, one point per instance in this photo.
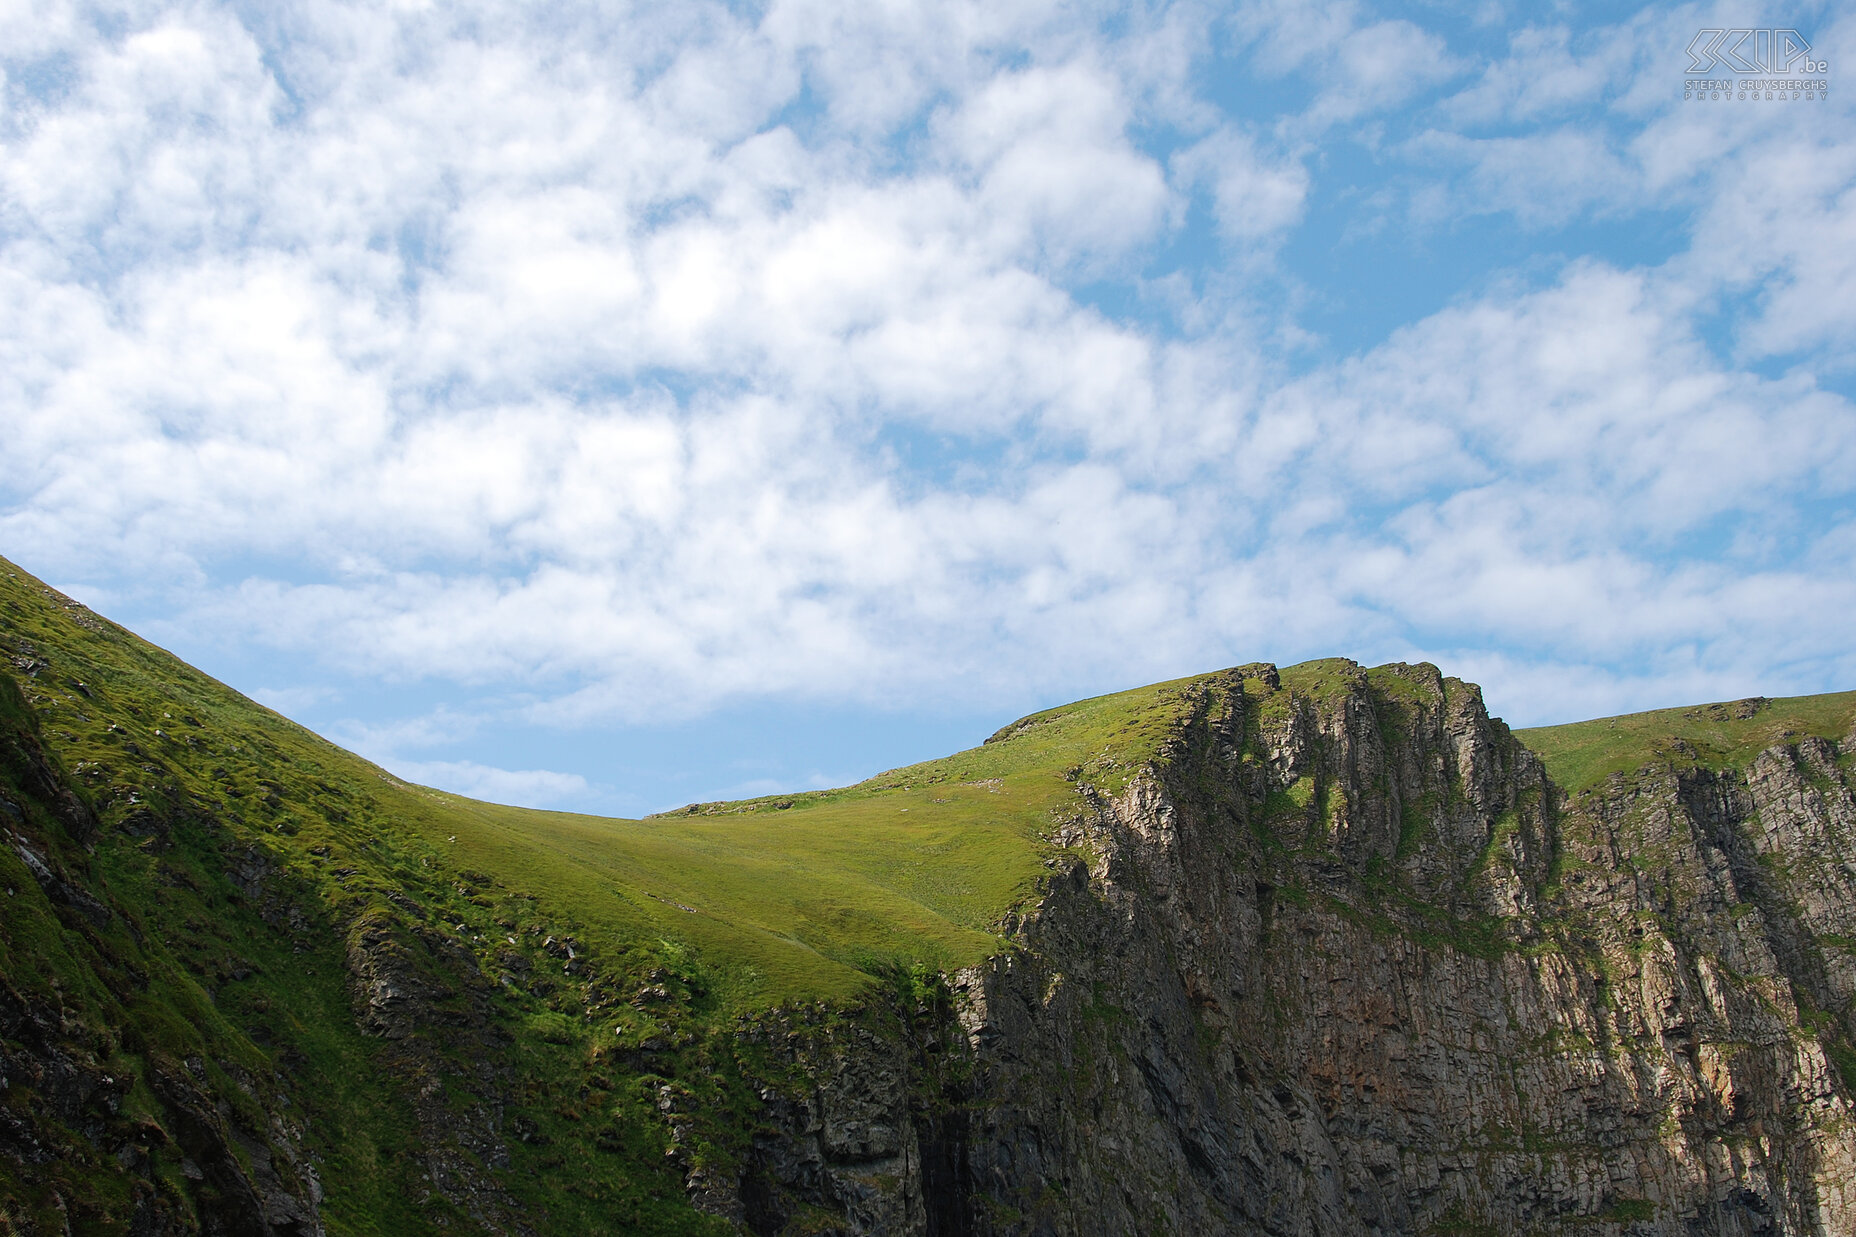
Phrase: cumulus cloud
[629,361]
[1360,63]
[527,787]
[1544,179]
[1550,72]
[1253,196]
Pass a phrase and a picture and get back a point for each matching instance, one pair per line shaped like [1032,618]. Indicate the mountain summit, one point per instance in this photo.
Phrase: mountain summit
[1322,949]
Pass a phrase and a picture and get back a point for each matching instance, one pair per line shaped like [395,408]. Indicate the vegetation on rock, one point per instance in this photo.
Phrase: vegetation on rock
[251,983]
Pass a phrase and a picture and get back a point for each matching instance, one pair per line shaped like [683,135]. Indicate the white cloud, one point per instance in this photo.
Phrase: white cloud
[1356,65]
[1788,239]
[541,788]
[1545,179]
[1252,196]
[632,364]
[288,700]
[1057,176]
[1549,73]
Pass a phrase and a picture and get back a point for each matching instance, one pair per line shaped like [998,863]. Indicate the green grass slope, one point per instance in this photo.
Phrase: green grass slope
[1580,755]
[248,859]
[251,864]
[792,896]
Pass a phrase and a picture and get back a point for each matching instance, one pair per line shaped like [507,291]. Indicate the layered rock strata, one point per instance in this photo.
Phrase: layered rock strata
[1336,957]
[1343,960]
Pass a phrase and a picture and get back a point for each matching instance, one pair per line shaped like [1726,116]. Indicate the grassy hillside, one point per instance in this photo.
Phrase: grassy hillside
[801,895]
[549,977]
[255,871]
[1579,755]
[781,897]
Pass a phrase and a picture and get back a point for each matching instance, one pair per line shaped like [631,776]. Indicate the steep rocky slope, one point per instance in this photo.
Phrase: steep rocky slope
[1324,950]
[246,986]
[1343,959]
[1435,996]
[94,1109]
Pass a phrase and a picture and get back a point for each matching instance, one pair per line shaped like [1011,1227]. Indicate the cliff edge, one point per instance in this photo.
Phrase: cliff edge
[1319,950]
[1343,959]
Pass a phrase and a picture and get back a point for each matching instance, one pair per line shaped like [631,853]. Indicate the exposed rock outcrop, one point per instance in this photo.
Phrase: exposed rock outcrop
[1341,960]
[1335,956]
[426,995]
[72,1057]
[840,1150]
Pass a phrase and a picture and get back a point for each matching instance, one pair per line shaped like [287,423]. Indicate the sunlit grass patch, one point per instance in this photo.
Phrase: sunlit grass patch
[1579,755]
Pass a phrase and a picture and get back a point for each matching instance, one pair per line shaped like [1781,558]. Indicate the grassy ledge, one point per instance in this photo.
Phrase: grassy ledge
[1726,735]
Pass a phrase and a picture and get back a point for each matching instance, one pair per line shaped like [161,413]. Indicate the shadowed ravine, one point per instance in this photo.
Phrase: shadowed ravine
[1319,950]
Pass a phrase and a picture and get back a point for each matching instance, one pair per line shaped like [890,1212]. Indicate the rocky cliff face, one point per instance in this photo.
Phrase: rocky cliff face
[1343,960]
[102,1129]
[1335,956]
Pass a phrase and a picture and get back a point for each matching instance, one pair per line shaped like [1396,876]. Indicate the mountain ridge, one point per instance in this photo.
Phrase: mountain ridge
[343,1003]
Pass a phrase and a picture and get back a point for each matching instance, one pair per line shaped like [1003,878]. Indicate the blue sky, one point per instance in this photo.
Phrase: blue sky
[609,407]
